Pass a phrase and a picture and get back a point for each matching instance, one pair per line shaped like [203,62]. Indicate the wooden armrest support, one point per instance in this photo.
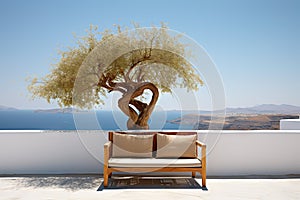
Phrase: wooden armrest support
[106,173]
[107,144]
[201,144]
[203,154]
[107,150]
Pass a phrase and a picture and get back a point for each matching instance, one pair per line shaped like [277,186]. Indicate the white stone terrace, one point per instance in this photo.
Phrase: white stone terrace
[82,187]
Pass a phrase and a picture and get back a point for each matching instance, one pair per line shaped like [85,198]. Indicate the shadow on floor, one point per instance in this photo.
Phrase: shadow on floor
[75,183]
[72,183]
[136,182]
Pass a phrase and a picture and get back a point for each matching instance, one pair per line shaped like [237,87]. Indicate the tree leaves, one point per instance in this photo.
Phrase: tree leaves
[153,56]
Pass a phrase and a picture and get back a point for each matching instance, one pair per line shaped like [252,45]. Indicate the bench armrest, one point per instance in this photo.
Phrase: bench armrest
[201,144]
[203,153]
[107,150]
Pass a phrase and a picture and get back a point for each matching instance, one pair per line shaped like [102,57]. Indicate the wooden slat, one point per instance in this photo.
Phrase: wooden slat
[155,169]
[178,133]
[203,163]
[110,136]
[201,144]
[107,147]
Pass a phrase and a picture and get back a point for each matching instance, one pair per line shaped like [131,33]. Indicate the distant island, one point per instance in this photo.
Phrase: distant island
[6,108]
[261,117]
[235,122]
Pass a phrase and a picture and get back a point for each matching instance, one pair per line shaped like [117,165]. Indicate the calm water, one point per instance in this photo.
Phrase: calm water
[107,120]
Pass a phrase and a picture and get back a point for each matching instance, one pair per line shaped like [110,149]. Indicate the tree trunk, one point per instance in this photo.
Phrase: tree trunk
[138,120]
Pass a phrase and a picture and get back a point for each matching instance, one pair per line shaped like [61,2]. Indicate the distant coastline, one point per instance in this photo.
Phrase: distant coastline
[58,110]
[236,122]
[6,108]
[259,109]
[261,117]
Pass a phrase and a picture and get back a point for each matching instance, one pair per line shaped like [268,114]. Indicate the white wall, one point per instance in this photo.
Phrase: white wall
[46,152]
[235,153]
[256,153]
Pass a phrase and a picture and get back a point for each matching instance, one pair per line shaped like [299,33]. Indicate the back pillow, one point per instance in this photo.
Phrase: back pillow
[176,146]
[125,145]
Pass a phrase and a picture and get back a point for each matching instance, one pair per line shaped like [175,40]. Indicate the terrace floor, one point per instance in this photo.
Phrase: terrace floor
[143,188]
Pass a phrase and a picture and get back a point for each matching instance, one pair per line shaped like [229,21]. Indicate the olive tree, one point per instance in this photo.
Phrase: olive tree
[132,62]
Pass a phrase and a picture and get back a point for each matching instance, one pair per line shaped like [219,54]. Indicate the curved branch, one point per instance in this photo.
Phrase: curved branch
[138,104]
[123,104]
[127,103]
[145,114]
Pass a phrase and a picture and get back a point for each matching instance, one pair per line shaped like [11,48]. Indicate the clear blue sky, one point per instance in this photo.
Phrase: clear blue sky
[254,43]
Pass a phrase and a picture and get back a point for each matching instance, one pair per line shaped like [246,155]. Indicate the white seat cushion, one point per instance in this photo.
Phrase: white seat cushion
[154,162]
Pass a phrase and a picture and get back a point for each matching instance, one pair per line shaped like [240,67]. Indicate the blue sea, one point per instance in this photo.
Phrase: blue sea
[107,120]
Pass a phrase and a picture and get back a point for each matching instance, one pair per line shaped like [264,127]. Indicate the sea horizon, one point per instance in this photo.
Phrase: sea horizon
[107,120]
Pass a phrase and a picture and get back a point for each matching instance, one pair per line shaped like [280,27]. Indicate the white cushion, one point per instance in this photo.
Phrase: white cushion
[154,162]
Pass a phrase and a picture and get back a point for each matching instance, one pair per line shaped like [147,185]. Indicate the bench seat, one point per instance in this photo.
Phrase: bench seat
[154,162]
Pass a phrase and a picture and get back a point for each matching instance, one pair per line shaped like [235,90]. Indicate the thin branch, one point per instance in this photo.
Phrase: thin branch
[139,76]
[87,88]
[118,89]
[145,58]
[40,82]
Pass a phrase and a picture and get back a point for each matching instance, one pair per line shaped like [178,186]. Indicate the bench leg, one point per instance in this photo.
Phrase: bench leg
[105,183]
[203,175]
[105,177]
[193,174]
[204,182]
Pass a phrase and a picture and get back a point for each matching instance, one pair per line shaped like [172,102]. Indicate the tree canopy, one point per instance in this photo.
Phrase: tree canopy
[127,61]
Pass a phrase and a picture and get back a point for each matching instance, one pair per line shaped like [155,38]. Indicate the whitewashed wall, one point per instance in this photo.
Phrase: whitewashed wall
[256,153]
[46,152]
[235,153]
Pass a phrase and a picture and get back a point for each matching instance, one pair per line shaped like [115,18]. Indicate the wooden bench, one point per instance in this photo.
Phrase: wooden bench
[160,159]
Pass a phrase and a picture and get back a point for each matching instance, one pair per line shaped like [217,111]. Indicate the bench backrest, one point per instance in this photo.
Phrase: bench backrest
[110,136]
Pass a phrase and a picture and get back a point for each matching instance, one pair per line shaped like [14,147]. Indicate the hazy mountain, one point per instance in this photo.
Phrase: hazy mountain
[266,109]
[5,108]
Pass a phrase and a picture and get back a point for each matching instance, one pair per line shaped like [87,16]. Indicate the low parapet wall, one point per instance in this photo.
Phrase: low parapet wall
[234,153]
